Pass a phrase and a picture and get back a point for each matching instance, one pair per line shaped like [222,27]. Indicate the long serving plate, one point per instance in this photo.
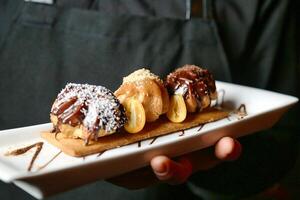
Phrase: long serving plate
[54,172]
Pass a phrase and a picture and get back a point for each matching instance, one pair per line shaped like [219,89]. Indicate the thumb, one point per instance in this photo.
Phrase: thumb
[228,149]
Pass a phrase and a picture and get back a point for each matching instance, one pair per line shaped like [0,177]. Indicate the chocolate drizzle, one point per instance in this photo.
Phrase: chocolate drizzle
[20,151]
[47,163]
[87,140]
[53,130]
[153,140]
[95,107]
[99,154]
[201,127]
[181,134]
[192,82]
[241,111]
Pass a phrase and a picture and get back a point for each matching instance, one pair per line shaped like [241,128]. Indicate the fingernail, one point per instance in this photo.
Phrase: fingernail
[162,170]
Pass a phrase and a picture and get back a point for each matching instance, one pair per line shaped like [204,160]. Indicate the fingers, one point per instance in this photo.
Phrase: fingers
[170,171]
[228,149]
[176,172]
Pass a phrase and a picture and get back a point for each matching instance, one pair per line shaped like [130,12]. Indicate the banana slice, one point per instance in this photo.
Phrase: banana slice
[177,109]
[136,115]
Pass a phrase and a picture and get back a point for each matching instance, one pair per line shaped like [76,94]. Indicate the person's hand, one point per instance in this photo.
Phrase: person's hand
[177,171]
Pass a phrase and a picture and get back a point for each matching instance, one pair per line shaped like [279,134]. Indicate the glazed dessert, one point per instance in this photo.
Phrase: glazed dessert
[90,112]
[87,112]
[191,89]
[145,88]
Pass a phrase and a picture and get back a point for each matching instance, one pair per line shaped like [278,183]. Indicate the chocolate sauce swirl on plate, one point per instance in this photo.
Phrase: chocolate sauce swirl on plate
[20,151]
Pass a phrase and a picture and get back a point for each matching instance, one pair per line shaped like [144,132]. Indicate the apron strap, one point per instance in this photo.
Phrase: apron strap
[86,4]
[199,9]
[66,3]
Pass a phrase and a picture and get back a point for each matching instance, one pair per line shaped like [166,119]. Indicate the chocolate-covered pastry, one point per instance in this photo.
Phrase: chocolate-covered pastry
[195,84]
[87,112]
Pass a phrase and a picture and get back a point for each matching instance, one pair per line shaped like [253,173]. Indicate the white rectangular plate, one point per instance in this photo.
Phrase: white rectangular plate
[263,107]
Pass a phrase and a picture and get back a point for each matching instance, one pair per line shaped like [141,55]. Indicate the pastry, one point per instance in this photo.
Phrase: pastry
[147,89]
[87,112]
[93,113]
[197,87]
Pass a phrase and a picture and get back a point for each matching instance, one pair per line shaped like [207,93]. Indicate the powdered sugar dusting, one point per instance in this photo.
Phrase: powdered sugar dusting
[95,106]
[140,75]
